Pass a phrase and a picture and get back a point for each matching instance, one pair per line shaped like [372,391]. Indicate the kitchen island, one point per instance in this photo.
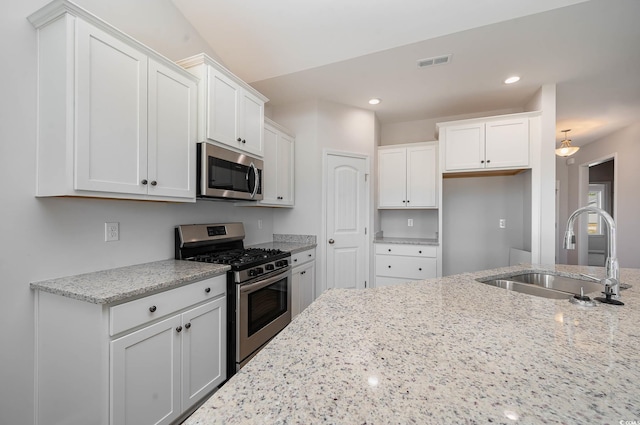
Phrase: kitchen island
[446,350]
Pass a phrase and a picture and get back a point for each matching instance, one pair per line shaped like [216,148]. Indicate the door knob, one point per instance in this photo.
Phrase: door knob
[331,241]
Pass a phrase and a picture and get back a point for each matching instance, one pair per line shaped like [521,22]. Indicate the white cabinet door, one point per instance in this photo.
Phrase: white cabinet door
[464,147]
[302,287]
[285,169]
[507,143]
[111,113]
[270,170]
[421,177]
[222,105]
[172,133]
[392,177]
[307,285]
[278,172]
[251,123]
[145,375]
[204,342]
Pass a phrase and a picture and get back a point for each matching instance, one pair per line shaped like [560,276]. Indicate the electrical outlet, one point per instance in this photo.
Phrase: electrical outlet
[503,223]
[410,222]
[111,232]
[259,224]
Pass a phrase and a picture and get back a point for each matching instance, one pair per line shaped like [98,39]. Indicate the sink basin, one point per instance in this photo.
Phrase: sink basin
[546,285]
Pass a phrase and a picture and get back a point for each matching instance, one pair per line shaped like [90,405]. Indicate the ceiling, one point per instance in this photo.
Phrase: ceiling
[348,52]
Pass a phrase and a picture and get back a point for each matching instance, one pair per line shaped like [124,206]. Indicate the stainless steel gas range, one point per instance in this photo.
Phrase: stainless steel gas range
[258,285]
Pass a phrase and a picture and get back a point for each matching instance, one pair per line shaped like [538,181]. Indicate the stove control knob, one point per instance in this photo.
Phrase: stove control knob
[269,267]
[282,263]
[259,270]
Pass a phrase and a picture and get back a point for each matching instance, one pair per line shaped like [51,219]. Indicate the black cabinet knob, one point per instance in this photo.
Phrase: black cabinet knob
[144,181]
[244,141]
[239,139]
[153,308]
[154,183]
[488,161]
[419,252]
[420,268]
[207,290]
[389,266]
[482,162]
[389,249]
[179,329]
[187,326]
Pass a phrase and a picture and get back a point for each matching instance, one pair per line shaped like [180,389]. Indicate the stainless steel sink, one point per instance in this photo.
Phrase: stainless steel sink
[546,285]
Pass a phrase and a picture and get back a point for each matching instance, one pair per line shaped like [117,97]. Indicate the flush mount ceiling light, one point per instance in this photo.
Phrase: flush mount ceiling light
[374,101]
[565,148]
[512,80]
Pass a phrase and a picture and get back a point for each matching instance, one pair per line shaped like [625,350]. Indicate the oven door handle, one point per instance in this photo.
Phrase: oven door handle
[263,283]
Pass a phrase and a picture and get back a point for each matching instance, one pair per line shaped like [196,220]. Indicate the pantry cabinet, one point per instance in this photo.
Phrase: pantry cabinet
[303,278]
[492,144]
[231,112]
[407,176]
[145,361]
[398,263]
[278,172]
[116,119]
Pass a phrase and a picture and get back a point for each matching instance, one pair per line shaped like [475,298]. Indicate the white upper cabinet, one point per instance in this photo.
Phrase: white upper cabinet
[278,172]
[116,119]
[407,176]
[231,112]
[490,144]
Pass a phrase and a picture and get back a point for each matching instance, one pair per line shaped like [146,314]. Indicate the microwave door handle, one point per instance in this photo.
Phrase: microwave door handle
[256,181]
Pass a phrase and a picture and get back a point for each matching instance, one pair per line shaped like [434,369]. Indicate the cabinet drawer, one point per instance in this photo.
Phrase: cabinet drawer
[390,281]
[135,313]
[405,267]
[303,257]
[402,249]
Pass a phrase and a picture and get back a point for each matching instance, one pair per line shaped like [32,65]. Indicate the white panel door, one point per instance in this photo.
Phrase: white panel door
[172,133]
[464,147]
[507,143]
[204,356]
[285,169]
[421,177]
[392,177]
[271,166]
[111,117]
[145,375]
[346,215]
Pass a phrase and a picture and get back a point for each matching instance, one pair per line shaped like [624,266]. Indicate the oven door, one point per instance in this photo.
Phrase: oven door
[264,309]
[227,174]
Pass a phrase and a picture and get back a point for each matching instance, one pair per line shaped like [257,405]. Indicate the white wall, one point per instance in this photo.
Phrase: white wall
[471,237]
[319,126]
[394,223]
[47,238]
[625,144]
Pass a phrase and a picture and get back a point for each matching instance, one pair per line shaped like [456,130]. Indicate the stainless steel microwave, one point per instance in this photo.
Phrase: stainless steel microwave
[225,174]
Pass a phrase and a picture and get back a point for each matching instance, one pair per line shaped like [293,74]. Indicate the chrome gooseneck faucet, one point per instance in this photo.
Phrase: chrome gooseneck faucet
[612,281]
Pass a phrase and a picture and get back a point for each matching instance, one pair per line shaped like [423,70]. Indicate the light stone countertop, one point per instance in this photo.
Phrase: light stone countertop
[407,241]
[124,283]
[446,350]
[292,247]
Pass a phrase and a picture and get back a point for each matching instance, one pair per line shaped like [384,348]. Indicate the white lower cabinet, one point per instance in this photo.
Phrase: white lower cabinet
[147,361]
[303,279]
[397,263]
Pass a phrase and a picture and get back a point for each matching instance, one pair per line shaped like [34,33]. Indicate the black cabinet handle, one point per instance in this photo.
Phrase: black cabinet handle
[244,141]
[207,290]
[488,161]
[420,268]
[389,266]
[153,308]
[239,139]
[482,162]
[154,183]
[179,329]
[144,181]
[419,252]
[187,326]
[310,255]
[389,250]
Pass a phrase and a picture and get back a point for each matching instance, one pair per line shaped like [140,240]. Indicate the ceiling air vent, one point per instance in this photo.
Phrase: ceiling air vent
[437,60]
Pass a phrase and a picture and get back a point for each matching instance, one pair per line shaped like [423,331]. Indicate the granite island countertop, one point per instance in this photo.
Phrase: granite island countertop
[125,283]
[445,350]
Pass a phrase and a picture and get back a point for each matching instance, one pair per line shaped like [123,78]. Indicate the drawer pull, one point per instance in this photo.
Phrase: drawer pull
[420,268]
[187,326]
[389,250]
[419,252]
[295,260]
[179,329]
[207,290]
[153,308]
[309,255]
[389,266]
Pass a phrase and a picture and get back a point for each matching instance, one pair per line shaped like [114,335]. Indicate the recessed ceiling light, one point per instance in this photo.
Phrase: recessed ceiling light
[512,80]
[374,101]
